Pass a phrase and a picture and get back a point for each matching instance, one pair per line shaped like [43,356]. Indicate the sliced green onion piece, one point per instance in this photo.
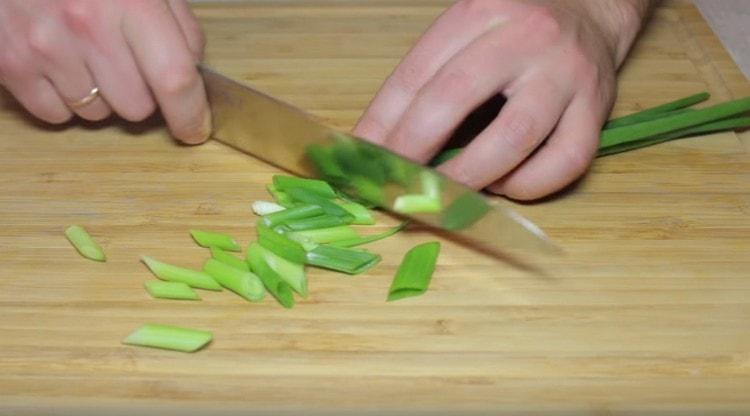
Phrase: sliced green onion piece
[342,259]
[243,283]
[229,259]
[650,113]
[262,208]
[170,290]
[325,163]
[370,238]
[82,241]
[321,221]
[430,184]
[464,211]
[280,197]
[366,189]
[415,272]
[271,280]
[284,183]
[362,215]
[290,272]
[169,338]
[172,273]
[324,235]
[212,239]
[307,197]
[295,213]
[416,204]
[280,244]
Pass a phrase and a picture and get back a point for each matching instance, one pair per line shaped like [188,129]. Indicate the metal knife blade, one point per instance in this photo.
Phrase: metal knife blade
[287,137]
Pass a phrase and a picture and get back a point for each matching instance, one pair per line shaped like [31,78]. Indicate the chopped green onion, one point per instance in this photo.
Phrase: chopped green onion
[308,197]
[430,184]
[654,112]
[290,272]
[280,197]
[275,285]
[362,215]
[169,337]
[415,272]
[82,241]
[322,188]
[229,259]
[370,238]
[342,259]
[295,213]
[280,244]
[170,290]
[325,163]
[464,211]
[366,189]
[172,273]
[212,239]
[243,283]
[321,221]
[416,204]
[324,235]
[262,208]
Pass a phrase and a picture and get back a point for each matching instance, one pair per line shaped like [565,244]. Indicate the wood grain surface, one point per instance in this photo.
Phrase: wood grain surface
[648,311]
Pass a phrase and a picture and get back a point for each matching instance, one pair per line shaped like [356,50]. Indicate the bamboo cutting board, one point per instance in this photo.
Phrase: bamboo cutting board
[649,310]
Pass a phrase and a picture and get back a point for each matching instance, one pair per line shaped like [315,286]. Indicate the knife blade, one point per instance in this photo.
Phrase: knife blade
[289,138]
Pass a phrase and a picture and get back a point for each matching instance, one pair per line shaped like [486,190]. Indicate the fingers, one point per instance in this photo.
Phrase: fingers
[566,155]
[448,35]
[190,26]
[524,122]
[169,68]
[38,96]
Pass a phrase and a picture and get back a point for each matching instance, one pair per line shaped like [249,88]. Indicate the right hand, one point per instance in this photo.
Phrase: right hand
[138,53]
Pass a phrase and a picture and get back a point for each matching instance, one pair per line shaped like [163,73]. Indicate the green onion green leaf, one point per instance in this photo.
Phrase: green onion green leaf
[169,337]
[82,241]
[416,204]
[342,259]
[280,244]
[296,213]
[172,273]
[362,215]
[415,272]
[284,183]
[256,258]
[658,111]
[324,235]
[229,259]
[243,283]
[212,239]
[370,238]
[170,290]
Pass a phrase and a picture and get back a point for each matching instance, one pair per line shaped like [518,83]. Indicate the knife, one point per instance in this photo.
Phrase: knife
[289,138]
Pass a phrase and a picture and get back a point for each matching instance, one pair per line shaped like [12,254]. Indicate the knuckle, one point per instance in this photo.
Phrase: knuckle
[453,83]
[543,23]
[519,132]
[80,17]
[178,80]
[41,41]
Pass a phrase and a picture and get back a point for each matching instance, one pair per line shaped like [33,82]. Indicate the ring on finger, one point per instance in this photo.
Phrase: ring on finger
[82,102]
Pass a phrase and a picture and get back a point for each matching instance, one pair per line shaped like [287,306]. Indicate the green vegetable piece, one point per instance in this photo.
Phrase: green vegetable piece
[322,221]
[292,273]
[416,204]
[370,238]
[172,273]
[342,259]
[271,280]
[430,184]
[415,272]
[655,112]
[296,213]
[362,215]
[445,156]
[664,125]
[170,290]
[280,244]
[82,241]
[169,338]
[324,235]
[307,197]
[464,211]
[212,239]
[284,183]
[262,208]
[280,197]
[367,190]
[229,259]
[325,163]
[243,283]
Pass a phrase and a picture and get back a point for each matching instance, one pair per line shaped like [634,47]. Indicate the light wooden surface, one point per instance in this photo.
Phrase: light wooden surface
[649,311]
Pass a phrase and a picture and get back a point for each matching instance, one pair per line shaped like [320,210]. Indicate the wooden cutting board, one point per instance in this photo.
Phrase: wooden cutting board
[649,310]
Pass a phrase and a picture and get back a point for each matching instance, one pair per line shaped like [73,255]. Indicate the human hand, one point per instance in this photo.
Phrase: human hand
[554,61]
[138,53]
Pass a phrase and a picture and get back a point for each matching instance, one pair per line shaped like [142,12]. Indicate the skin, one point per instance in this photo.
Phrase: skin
[555,61]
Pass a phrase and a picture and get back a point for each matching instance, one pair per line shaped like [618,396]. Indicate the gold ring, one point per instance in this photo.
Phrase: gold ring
[85,100]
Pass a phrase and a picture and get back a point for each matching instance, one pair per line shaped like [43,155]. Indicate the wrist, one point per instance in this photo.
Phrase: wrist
[622,20]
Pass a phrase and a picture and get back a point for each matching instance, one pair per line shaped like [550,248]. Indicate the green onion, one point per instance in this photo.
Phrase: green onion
[284,183]
[314,223]
[229,259]
[271,280]
[342,259]
[82,241]
[262,208]
[325,163]
[362,215]
[445,156]
[280,197]
[677,122]
[416,204]
[172,273]
[280,244]
[370,238]
[415,272]
[366,189]
[324,235]
[292,273]
[212,239]
[308,197]
[243,283]
[170,290]
[295,213]
[655,112]
[430,184]
[169,337]
[464,211]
